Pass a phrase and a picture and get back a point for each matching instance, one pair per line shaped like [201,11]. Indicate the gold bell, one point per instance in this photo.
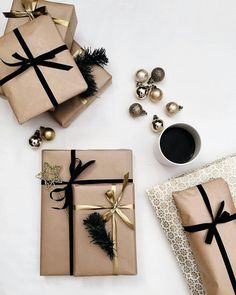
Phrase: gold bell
[173,108]
[47,133]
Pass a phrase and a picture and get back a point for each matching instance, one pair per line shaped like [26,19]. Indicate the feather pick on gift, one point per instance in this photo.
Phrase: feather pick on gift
[85,61]
[95,225]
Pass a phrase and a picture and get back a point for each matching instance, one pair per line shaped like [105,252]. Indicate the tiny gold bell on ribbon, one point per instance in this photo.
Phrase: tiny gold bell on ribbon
[157,75]
[142,92]
[141,76]
[173,108]
[157,124]
[35,140]
[155,94]
[136,110]
[47,133]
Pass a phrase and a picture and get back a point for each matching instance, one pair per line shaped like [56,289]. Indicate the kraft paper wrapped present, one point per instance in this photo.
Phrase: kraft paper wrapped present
[65,113]
[90,259]
[64,16]
[57,251]
[37,71]
[208,215]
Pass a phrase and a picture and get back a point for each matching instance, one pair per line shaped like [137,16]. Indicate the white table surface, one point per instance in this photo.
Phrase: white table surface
[195,42]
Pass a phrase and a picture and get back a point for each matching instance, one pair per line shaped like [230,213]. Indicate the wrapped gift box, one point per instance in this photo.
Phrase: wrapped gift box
[56,228]
[65,113]
[90,259]
[37,71]
[208,215]
[63,14]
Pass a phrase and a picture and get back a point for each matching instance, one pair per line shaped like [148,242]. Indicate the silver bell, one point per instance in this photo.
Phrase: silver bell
[142,92]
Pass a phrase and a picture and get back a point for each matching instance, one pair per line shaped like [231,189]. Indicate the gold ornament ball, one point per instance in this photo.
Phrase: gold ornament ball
[47,133]
[157,124]
[136,110]
[155,94]
[173,108]
[141,76]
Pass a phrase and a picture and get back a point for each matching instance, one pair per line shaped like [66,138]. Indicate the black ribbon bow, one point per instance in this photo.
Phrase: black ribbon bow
[24,63]
[221,217]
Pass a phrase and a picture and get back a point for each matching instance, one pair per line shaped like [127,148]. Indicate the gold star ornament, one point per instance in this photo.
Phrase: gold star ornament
[50,174]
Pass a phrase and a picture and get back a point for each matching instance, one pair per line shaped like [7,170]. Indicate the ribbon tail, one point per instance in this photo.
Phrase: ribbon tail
[114,237]
[61,22]
[125,218]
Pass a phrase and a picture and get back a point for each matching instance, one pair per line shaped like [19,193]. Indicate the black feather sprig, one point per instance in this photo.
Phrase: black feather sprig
[86,72]
[95,225]
[96,57]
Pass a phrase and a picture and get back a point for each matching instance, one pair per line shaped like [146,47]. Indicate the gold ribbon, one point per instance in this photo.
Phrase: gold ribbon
[115,209]
[31,11]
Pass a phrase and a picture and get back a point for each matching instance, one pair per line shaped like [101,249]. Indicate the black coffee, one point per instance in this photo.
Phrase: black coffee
[177,145]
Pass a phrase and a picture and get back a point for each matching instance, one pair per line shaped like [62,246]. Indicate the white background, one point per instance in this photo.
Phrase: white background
[195,42]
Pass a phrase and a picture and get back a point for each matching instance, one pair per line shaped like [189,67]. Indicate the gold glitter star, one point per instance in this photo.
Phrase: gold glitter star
[50,174]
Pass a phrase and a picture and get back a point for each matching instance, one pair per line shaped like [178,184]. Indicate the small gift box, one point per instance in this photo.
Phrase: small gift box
[37,71]
[64,16]
[208,215]
[65,113]
[104,231]
[61,170]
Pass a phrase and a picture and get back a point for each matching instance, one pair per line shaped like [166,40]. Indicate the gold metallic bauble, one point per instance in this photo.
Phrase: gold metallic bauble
[157,75]
[142,92]
[157,124]
[47,133]
[173,108]
[141,76]
[35,140]
[136,110]
[155,94]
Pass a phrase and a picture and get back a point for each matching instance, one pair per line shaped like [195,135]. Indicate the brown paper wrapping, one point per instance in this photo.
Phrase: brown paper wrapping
[110,164]
[193,211]
[89,259]
[65,113]
[25,92]
[56,10]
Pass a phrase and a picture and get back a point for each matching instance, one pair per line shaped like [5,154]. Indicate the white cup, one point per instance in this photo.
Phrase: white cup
[162,158]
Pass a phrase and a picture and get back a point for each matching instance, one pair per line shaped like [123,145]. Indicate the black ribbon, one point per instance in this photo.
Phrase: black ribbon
[221,217]
[75,171]
[24,63]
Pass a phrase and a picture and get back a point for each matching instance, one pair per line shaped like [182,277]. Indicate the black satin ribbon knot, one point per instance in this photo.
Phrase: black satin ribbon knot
[75,171]
[35,13]
[221,217]
[24,63]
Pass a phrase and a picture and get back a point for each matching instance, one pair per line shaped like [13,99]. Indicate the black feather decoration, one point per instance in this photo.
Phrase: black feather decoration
[96,57]
[95,225]
[86,72]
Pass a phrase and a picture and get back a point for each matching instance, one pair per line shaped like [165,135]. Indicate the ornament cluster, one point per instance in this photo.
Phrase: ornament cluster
[146,88]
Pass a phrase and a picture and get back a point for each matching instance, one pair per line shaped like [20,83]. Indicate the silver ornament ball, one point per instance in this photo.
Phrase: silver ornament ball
[173,108]
[157,75]
[136,110]
[157,124]
[155,94]
[35,140]
[142,92]
[141,76]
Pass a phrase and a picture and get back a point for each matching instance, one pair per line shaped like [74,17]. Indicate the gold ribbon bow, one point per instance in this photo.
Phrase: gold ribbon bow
[115,209]
[31,11]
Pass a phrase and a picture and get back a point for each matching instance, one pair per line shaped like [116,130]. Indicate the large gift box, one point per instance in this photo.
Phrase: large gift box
[208,215]
[64,16]
[37,71]
[62,237]
[65,113]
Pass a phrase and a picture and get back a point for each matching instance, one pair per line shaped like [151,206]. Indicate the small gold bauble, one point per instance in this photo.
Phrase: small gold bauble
[47,133]
[155,94]
[141,76]
[173,108]
[157,124]
[136,110]
[157,75]
[142,92]
[35,140]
